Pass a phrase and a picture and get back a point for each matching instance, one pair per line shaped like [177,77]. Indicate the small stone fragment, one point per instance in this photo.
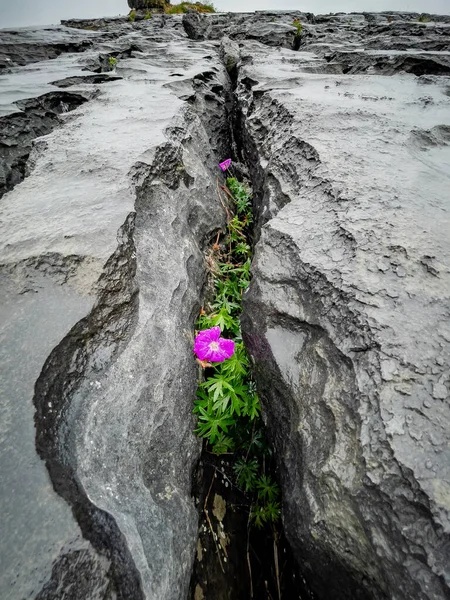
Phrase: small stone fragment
[440,392]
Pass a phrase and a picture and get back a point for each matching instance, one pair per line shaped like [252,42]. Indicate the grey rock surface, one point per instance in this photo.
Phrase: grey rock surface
[347,316]
[37,117]
[103,227]
[19,47]
[229,54]
[102,271]
[269,28]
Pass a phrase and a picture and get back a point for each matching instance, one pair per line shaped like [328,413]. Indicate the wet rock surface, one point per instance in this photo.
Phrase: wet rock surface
[103,230]
[347,313]
[38,117]
[19,47]
[272,29]
[102,274]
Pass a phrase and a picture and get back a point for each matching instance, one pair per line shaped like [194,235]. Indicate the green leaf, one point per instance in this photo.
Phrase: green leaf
[262,514]
[268,490]
[202,400]
[246,472]
[210,424]
[251,406]
[236,367]
[223,445]
[272,511]
[242,249]
[224,320]
[203,322]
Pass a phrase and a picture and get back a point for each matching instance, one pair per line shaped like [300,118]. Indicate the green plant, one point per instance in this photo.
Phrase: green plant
[267,489]
[227,404]
[148,15]
[175,9]
[247,474]
[265,513]
[132,16]
[423,18]
[112,62]
[298,25]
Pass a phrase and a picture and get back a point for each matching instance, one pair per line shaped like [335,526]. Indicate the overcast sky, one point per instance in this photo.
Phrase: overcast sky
[17,13]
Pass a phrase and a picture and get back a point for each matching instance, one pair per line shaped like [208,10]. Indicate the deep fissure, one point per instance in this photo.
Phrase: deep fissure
[234,559]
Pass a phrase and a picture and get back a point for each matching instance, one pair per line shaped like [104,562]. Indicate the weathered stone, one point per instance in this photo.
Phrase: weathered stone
[85,79]
[38,117]
[229,53]
[347,325]
[195,25]
[272,29]
[102,270]
[24,46]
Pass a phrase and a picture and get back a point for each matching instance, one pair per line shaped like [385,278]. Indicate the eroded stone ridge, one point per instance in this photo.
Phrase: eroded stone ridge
[102,271]
[347,313]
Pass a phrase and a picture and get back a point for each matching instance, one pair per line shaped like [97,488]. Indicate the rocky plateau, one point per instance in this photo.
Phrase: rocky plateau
[110,136]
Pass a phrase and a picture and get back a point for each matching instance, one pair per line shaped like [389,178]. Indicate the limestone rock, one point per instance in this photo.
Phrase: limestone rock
[110,174]
[37,117]
[195,25]
[102,271]
[229,54]
[271,29]
[347,313]
[24,46]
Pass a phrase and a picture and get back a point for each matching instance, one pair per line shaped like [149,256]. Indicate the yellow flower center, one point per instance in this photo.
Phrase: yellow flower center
[214,345]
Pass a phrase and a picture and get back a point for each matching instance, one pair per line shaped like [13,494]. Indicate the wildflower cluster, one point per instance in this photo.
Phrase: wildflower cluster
[227,404]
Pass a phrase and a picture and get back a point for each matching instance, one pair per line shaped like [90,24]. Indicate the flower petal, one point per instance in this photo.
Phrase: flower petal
[202,349]
[214,333]
[204,335]
[227,347]
[217,355]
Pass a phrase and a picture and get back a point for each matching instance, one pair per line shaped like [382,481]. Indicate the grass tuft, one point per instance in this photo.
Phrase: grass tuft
[298,25]
[177,9]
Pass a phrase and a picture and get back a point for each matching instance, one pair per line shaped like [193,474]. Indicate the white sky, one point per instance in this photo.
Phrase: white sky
[18,13]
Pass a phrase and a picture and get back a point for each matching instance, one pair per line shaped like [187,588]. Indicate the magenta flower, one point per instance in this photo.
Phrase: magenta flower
[225,165]
[209,346]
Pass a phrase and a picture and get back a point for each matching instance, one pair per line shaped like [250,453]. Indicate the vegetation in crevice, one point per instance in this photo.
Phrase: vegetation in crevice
[298,25]
[424,18]
[227,404]
[298,36]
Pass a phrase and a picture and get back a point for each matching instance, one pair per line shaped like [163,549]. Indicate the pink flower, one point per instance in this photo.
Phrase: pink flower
[225,165]
[210,346]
